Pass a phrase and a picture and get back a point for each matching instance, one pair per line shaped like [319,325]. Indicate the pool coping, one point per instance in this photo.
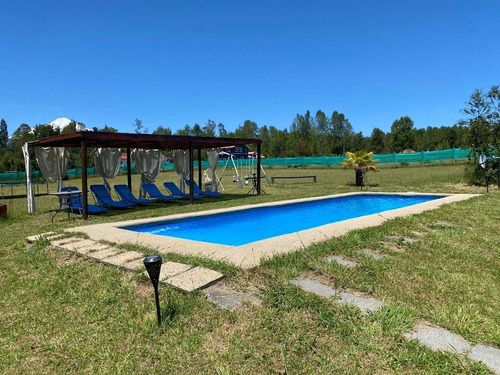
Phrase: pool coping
[250,255]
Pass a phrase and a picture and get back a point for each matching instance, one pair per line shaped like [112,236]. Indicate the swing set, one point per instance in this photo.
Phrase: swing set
[248,165]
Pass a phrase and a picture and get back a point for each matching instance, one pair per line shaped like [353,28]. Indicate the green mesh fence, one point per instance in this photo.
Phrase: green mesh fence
[416,157]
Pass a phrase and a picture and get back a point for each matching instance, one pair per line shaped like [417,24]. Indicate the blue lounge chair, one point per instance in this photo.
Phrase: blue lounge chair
[198,191]
[126,195]
[153,191]
[76,205]
[103,198]
[176,192]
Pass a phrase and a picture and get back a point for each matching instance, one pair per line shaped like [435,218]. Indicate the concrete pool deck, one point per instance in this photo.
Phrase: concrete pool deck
[250,255]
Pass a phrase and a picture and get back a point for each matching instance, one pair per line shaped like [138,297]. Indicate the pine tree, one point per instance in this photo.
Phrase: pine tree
[4,134]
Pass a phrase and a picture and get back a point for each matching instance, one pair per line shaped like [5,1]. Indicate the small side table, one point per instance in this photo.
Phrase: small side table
[65,201]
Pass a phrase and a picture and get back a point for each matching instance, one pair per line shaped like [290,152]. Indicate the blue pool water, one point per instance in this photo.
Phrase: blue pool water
[244,226]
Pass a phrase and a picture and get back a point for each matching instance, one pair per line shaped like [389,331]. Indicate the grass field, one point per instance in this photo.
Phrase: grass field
[64,314]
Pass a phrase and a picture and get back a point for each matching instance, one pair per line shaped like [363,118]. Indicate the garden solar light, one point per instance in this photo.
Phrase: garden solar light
[153,266]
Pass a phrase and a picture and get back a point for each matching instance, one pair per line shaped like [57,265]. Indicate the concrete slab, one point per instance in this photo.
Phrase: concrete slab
[78,244]
[105,253]
[134,265]
[63,241]
[373,255]
[365,304]
[120,259]
[194,279]
[31,239]
[439,339]
[91,248]
[315,287]
[445,224]
[342,261]
[169,269]
[230,299]
[488,355]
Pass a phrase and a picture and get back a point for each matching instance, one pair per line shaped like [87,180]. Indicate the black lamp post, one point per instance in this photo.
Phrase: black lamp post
[153,266]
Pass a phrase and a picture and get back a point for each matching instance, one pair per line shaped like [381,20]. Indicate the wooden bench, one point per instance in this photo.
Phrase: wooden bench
[287,177]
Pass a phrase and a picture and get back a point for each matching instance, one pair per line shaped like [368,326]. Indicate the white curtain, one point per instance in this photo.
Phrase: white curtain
[148,164]
[29,188]
[181,165]
[213,158]
[107,163]
[53,162]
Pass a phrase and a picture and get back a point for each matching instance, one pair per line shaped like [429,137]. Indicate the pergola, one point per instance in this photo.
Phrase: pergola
[86,139]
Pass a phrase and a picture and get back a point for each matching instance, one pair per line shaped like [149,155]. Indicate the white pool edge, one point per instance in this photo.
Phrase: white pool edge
[250,255]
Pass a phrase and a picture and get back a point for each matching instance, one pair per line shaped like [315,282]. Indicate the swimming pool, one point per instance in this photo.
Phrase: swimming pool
[246,226]
[251,254]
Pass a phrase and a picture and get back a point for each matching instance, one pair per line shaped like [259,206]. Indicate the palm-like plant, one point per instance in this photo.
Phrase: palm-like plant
[362,162]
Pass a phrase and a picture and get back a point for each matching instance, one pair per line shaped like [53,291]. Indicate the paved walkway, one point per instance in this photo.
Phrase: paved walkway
[181,276]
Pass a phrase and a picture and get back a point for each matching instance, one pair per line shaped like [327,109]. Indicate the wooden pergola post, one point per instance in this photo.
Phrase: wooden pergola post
[129,170]
[85,211]
[191,173]
[258,168]
[199,167]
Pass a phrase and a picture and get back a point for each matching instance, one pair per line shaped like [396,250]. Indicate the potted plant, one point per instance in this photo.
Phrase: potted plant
[362,162]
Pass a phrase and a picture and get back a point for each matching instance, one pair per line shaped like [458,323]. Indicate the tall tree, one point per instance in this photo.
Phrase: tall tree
[483,129]
[377,141]
[4,134]
[160,130]
[342,133]
[209,128]
[265,135]
[197,131]
[248,130]
[139,128]
[402,134]
[45,130]
[222,130]
[322,123]
[186,131]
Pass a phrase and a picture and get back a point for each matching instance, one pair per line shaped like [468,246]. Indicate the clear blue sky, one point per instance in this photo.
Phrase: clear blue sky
[173,63]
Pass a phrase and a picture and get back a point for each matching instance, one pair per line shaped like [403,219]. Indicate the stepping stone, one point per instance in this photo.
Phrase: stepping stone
[439,339]
[315,287]
[91,248]
[194,279]
[409,240]
[373,255]
[134,265]
[365,304]
[230,299]
[78,244]
[120,259]
[36,237]
[170,269]
[488,355]
[102,254]
[445,224]
[342,261]
[63,241]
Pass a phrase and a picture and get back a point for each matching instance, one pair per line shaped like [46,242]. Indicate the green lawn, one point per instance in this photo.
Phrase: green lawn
[61,313]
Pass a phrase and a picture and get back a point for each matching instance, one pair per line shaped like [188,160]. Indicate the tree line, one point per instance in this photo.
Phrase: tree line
[308,135]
